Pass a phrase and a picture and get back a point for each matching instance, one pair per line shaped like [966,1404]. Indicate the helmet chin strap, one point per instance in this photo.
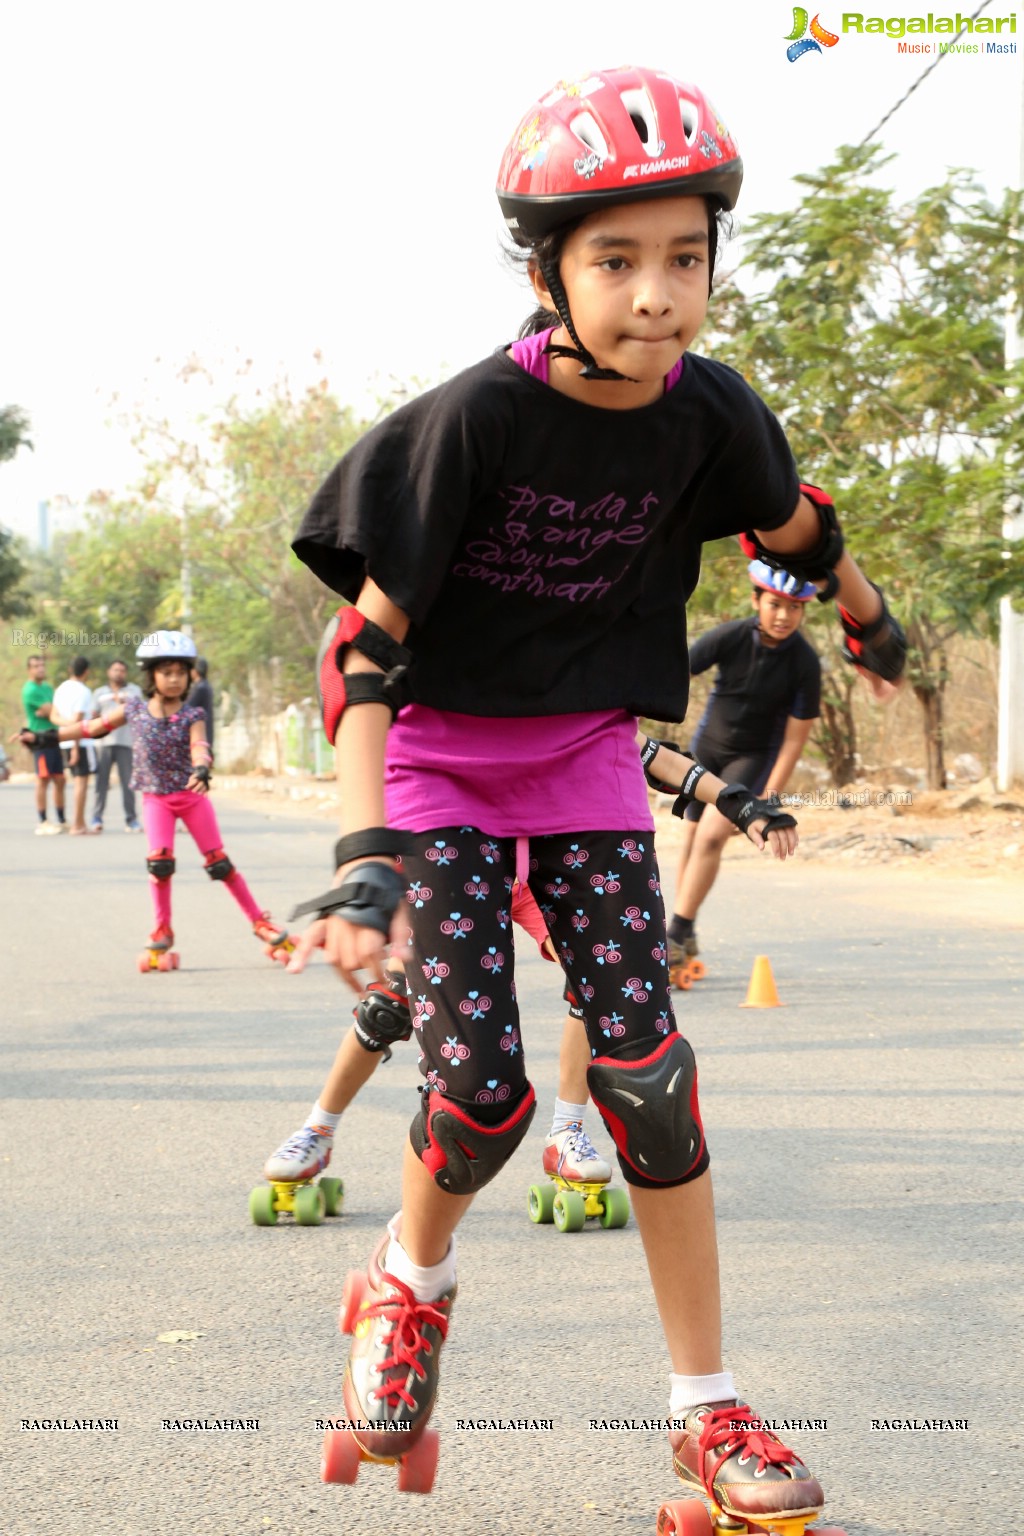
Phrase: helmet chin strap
[590,370]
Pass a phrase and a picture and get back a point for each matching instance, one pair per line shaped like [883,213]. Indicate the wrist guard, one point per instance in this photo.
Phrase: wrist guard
[817,564]
[336,690]
[879,647]
[39,738]
[384,841]
[738,805]
[368,898]
[201,771]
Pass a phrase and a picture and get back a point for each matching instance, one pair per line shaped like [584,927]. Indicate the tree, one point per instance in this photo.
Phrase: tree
[874,331]
[12,570]
[14,426]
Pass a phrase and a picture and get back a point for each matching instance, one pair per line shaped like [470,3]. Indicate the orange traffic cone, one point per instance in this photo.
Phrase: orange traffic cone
[761,993]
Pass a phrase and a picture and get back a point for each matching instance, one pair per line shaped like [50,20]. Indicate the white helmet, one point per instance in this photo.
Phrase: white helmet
[165,645]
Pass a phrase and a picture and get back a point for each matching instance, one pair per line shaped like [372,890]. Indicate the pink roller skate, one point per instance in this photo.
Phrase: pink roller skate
[159,956]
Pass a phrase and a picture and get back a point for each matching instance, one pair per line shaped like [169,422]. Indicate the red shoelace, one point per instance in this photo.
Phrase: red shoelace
[727,1427]
[408,1318]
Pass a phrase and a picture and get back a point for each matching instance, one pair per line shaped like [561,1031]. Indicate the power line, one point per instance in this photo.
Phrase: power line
[922,77]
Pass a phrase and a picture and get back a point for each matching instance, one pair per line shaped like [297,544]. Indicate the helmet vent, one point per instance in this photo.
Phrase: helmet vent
[688,113]
[589,134]
[641,115]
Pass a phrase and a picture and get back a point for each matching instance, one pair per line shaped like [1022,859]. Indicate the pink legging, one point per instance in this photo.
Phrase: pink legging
[160,814]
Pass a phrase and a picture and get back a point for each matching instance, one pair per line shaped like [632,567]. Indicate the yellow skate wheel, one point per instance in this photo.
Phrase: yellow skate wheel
[614,1205]
[310,1206]
[333,1193]
[262,1207]
[570,1211]
[541,1202]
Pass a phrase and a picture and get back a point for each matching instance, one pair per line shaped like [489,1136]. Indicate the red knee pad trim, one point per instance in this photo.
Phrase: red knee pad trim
[658,1134]
[460,1153]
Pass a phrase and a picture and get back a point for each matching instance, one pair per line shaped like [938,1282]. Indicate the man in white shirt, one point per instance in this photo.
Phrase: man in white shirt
[73,702]
[115,748]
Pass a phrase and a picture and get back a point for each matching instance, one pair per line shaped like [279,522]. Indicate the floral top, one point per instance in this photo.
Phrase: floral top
[161,754]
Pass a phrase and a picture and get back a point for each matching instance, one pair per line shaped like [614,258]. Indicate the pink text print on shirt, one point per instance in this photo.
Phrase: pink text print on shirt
[545,533]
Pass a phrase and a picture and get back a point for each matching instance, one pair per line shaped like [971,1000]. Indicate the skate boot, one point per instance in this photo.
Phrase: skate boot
[746,1474]
[578,1185]
[291,1171]
[391,1378]
[683,966]
[276,943]
[158,955]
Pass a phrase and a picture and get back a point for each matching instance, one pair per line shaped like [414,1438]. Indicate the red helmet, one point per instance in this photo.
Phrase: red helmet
[616,136]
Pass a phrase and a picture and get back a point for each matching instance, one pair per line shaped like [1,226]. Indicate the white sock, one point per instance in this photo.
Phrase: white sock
[426,1282]
[689,1392]
[566,1115]
[320,1119]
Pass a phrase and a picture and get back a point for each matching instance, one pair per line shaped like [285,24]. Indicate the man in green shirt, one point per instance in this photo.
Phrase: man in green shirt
[37,702]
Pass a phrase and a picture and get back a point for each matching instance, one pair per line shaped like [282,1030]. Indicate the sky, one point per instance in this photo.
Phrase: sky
[307,192]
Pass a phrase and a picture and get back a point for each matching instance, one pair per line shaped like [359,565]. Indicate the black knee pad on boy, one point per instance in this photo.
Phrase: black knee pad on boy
[383,1018]
[161,866]
[646,1093]
[462,1152]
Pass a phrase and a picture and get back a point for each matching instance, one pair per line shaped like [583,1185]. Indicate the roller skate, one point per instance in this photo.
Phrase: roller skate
[290,1171]
[159,956]
[276,943]
[752,1482]
[390,1380]
[578,1185]
[683,966]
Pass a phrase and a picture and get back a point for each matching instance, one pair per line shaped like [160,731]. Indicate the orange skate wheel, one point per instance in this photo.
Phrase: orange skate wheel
[351,1299]
[682,979]
[143,962]
[175,960]
[698,970]
[418,1467]
[684,1517]
[165,962]
[340,1458]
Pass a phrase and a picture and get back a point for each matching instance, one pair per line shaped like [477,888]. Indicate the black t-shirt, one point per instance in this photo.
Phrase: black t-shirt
[202,694]
[757,687]
[542,548]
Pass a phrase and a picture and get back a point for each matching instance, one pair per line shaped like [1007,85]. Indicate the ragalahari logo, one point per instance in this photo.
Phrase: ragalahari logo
[799,40]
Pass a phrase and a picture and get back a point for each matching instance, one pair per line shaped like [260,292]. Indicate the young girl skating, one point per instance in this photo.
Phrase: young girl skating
[531,531]
[171,762]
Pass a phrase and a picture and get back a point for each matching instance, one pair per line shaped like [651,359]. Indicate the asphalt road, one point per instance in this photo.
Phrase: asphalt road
[867,1158]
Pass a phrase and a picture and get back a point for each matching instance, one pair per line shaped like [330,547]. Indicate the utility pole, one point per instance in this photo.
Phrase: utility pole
[1010,745]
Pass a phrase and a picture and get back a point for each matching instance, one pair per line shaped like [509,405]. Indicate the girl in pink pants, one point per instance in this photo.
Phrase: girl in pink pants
[171,762]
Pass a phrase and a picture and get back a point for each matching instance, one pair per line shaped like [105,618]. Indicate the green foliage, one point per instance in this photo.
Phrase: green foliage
[14,427]
[12,572]
[874,330]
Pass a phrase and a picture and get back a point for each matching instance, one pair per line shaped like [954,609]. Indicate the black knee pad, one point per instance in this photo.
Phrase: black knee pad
[160,865]
[218,865]
[383,1018]
[461,1152]
[646,1093]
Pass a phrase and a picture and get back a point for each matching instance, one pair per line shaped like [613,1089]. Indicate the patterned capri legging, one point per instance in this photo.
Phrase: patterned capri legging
[600,896]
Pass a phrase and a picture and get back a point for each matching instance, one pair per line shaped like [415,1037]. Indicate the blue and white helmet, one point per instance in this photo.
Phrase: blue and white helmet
[780,582]
[165,645]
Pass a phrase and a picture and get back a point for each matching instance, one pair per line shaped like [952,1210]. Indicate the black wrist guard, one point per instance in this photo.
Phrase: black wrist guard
[879,647]
[383,841]
[738,805]
[368,898]
[202,773]
[39,738]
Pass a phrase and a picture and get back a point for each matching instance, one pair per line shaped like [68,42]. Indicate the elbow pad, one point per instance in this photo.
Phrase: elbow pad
[817,564]
[336,690]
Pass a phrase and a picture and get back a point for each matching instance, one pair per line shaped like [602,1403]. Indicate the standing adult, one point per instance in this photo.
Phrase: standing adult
[71,703]
[37,703]
[201,695]
[115,748]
